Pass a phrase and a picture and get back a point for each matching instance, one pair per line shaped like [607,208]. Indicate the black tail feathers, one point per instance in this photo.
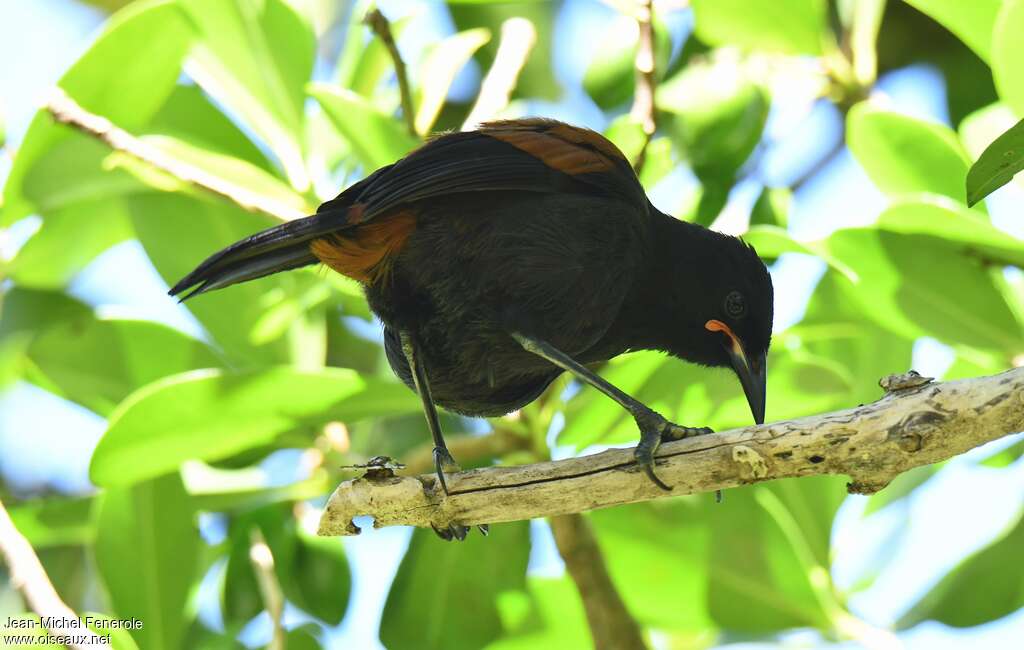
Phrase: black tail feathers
[280,248]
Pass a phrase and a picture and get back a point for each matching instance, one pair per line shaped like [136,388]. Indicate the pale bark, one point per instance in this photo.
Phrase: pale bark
[906,428]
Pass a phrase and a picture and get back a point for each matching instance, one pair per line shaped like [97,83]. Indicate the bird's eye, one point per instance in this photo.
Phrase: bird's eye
[735,305]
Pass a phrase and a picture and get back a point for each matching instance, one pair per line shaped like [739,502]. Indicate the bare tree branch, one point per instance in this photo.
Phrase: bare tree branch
[29,577]
[67,111]
[611,625]
[382,28]
[643,93]
[912,425]
[518,37]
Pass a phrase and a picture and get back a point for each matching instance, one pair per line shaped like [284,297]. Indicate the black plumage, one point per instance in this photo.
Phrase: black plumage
[501,257]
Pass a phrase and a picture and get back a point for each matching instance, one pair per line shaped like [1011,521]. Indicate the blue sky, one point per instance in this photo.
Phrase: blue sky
[46,441]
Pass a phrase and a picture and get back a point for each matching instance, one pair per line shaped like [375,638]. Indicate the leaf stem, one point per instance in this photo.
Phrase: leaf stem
[643,94]
[611,625]
[66,110]
[29,577]
[270,589]
[382,28]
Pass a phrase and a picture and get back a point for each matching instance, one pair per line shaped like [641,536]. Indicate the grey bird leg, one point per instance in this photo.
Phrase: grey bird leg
[442,457]
[654,429]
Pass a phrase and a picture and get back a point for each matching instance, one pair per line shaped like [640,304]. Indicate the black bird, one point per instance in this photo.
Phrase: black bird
[501,257]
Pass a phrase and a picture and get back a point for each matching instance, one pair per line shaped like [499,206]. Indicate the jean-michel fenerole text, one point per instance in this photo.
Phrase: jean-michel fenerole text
[61,623]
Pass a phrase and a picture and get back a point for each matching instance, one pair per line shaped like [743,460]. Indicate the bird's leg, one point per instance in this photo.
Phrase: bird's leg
[442,457]
[654,429]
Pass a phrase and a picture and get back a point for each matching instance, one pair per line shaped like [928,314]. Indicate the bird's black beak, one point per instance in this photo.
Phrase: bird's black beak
[752,374]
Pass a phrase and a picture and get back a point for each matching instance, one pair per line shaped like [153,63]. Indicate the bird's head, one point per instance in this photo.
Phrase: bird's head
[741,327]
[727,302]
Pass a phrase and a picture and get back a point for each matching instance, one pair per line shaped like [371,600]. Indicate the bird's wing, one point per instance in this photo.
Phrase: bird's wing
[522,155]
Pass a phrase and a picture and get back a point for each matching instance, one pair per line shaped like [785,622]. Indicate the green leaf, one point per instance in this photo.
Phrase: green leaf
[145,43]
[786,26]
[998,164]
[609,79]
[97,363]
[773,241]
[319,577]
[53,521]
[24,313]
[364,60]
[218,490]
[304,637]
[377,139]
[656,554]
[438,70]
[627,133]
[151,434]
[970,21]
[445,595]
[31,310]
[256,58]
[986,586]
[836,328]
[551,616]
[189,115]
[658,162]
[242,176]
[537,79]
[718,115]
[772,207]
[1008,52]
[147,550]
[921,285]
[178,232]
[69,238]
[241,599]
[949,220]
[905,155]
[769,556]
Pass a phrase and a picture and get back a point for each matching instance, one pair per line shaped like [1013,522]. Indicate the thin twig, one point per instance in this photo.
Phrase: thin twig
[67,111]
[643,94]
[611,625]
[29,577]
[270,590]
[382,28]
[518,37]
[872,444]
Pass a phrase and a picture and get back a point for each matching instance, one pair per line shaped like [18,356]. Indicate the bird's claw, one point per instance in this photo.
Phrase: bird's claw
[443,462]
[451,531]
[458,531]
[654,430]
[644,455]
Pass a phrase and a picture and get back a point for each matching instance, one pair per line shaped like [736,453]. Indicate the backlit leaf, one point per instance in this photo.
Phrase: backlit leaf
[151,434]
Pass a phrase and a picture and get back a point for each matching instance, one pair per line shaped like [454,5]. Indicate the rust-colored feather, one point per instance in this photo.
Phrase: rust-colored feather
[365,252]
[560,146]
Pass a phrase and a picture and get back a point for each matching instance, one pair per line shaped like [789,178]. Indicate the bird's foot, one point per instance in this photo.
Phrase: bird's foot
[457,531]
[443,462]
[451,531]
[655,429]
